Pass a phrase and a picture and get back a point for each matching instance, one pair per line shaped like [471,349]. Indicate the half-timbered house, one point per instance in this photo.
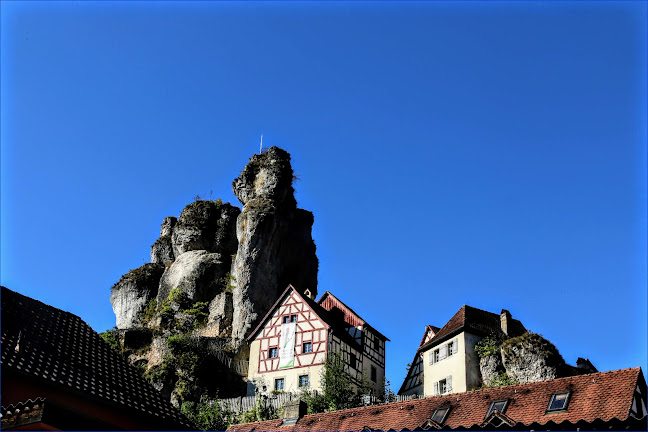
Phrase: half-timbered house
[413,383]
[288,349]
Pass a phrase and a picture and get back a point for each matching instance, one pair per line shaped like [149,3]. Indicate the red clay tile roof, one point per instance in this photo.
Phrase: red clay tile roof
[60,349]
[474,321]
[350,316]
[602,396]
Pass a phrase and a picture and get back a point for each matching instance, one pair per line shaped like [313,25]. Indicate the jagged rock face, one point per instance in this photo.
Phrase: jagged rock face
[198,274]
[268,176]
[219,322]
[162,251]
[275,246]
[196,227]
[490,366]
[531,358]
[131,295]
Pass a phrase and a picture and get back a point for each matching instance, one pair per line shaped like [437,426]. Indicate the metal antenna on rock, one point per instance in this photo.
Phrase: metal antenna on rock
[261,145]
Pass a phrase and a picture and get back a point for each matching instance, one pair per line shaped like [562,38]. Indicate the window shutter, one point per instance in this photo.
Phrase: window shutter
[436,389]
[449,383]
[431,357]
[455,345]
[443,352]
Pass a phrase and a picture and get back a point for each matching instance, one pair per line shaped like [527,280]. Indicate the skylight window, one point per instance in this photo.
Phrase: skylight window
[558,401]
[499,405]
[440,415]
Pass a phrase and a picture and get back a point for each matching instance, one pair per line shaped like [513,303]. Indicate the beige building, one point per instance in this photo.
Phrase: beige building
[288,349]
[446,361]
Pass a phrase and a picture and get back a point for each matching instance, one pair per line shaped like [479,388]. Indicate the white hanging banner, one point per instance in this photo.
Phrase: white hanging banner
[287,345]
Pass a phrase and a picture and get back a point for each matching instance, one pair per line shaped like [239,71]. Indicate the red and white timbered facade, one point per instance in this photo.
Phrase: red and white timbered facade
[294,360]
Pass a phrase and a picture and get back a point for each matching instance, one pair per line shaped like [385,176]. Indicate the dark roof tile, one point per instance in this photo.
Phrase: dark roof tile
[49,344]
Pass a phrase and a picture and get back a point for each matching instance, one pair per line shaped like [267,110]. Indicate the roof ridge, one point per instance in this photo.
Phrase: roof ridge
[42,303]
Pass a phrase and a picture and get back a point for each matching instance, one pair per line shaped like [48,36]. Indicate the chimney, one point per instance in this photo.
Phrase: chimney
[293,411]
[505,321]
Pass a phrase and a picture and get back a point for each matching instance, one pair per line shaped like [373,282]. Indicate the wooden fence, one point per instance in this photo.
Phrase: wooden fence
[246,403]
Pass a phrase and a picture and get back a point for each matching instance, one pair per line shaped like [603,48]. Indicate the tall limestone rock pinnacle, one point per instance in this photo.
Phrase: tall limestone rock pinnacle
[215,271]
[275,245]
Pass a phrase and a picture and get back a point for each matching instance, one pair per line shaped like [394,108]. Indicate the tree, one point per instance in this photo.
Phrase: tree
[339,390]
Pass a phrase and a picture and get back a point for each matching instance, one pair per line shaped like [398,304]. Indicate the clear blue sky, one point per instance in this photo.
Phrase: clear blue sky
[490,154]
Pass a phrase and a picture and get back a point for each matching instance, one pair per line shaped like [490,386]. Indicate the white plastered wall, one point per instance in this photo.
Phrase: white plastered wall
[463,366]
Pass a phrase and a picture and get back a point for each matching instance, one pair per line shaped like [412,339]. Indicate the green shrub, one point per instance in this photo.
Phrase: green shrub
[210,415]
[488,346]
[160,372]
[200,310]
[185,352]
[500,380]
[111,337]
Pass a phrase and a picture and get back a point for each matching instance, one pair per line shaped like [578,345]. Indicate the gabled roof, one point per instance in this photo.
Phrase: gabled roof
[476,321]
[350,316]
[429,329]
[332,321]
[56,348]
[321,313]
[599,398]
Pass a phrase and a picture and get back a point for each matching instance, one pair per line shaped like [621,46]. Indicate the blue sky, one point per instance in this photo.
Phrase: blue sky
[482,153]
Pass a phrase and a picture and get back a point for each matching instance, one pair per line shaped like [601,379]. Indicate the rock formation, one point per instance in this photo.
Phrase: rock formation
[214,273]
[523,359]
[275,244]
[531,358]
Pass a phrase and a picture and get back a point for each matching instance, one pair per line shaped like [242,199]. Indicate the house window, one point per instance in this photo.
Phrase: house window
[444,351]
[443,386]
[303,381]
[558,401]
[353,361]
[286,319]
[279,384]
[293,318]
[499,405]
[374,373]
[307,348]
[272,352]
[440,414]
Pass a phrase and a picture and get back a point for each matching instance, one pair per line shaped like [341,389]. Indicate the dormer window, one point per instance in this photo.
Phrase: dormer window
[440,415]
[499,405]
[558,402]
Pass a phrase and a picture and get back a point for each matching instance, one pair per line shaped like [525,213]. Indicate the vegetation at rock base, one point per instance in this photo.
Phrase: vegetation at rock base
[160,372]
[211,414]
[111,337]
[488,346]
[500,380]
